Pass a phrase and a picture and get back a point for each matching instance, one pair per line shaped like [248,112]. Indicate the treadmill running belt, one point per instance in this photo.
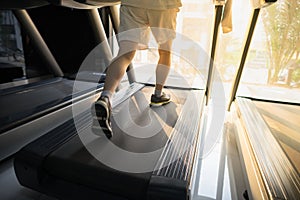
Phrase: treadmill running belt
[84,159]
[73,155]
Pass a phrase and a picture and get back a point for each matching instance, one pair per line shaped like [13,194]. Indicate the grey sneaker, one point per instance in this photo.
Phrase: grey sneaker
[102,115]
[159,101]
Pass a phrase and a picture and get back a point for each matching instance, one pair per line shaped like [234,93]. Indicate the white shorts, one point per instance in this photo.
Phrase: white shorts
[136,24]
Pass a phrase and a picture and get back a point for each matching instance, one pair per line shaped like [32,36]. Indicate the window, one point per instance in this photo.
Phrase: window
[12,65]
[272,68]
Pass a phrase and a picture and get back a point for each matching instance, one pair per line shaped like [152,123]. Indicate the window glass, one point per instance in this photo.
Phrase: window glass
[272,68]
[12,65]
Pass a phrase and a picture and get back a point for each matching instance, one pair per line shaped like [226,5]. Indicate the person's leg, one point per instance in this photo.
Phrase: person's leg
[133,30]
[162,70]
[118,66]
[114,74]
[163,26]
[163,65]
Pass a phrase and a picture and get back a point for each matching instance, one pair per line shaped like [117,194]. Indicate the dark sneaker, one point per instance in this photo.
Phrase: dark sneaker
[159,101]
[102,115]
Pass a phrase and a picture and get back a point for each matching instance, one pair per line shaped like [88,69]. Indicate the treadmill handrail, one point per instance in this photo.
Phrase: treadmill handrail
[100,2]
[247,43]
[219,2]
[92,6]
[211,69]
[84,4]
[251,28]
[261,3]
[21,4]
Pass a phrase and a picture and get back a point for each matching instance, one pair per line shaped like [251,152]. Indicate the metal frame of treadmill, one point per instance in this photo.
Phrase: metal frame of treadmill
[219,5]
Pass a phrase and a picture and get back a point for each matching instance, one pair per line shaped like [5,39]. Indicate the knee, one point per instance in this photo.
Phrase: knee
[125,56]
[166,47]
[127,50]
[164,53]
[129,55]
[164,57]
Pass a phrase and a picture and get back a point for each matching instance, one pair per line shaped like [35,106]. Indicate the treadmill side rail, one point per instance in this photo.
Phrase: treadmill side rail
[165,188]
[28,161]
[172,174]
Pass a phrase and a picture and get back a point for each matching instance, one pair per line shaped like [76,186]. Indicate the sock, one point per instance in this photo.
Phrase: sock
[161,73]
[157,93]
[107,93]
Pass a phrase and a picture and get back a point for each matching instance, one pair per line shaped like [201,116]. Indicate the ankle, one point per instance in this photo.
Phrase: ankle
[106,94]
[157,93]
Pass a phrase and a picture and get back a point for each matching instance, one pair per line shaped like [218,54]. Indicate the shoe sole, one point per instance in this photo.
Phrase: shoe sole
[101,116]
[159,103]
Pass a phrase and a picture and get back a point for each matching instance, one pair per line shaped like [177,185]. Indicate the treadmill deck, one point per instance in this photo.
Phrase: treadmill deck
[72,153]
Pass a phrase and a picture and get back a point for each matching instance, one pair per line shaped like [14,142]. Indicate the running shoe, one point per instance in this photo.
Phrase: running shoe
[159,101]
[102,114]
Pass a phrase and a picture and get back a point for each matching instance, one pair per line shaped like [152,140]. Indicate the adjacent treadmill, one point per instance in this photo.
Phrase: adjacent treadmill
[42,104]
[267,133]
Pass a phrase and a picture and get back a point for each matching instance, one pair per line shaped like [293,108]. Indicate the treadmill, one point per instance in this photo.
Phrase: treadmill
[150,156]
[267,133]
[42,104]
[71,162]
